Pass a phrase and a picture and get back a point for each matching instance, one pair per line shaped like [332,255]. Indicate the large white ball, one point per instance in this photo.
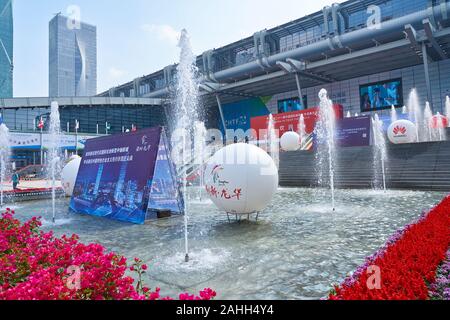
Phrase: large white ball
[241,179]
[402,131]
[290,141]
[69,175]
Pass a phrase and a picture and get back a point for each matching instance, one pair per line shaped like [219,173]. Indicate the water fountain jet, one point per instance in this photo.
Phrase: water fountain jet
[5,150]
[53,158]
[187,93]
[380,154]
[199,152]
[273,146]
[414,111]
[447,108]
[394,116]
[325,133]
[302,130]
[428,117]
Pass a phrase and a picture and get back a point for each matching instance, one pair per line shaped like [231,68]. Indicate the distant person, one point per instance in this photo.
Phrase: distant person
[15,180]
[366,104]
[377,102]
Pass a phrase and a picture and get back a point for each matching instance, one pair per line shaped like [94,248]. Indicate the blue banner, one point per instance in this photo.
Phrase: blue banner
[238,115]
[116,177]
[353,132]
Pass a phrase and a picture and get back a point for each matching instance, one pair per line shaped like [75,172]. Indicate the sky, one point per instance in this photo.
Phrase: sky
[138,37]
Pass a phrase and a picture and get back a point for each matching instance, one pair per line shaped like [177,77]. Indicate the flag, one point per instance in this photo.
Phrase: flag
[77,124]
[40,124]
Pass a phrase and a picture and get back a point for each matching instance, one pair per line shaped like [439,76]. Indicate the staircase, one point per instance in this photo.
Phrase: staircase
[424,166]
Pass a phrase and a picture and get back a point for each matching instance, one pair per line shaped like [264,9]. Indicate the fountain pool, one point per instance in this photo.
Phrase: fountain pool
[296,250]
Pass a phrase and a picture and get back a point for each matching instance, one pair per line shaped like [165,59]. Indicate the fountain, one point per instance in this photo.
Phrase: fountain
[187,93]
[199,153]
[414,111]
[53,157]
[447,108]
[428,117]
[5,150]
[272,141]
[394,116]
[440,127]
[404,110]
[380,153]
[349,115]
[326,149]
[302,130]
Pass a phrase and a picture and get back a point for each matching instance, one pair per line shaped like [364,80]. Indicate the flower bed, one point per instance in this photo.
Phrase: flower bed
[408,263]
[38,266]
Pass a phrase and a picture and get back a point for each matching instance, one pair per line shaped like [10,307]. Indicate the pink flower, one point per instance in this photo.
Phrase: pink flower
[37,266]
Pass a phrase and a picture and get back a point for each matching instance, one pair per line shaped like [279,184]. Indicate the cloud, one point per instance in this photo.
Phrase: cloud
[163,32]
[116,73]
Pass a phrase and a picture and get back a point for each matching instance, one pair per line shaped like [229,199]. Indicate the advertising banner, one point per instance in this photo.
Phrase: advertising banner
[238,115]
[33,141]
[353,132]
[289,121]
[116,177]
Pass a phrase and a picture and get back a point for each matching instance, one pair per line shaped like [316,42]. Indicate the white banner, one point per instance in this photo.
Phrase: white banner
[33,141]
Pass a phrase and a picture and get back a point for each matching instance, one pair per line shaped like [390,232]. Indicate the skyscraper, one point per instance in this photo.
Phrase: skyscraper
[6,49]
[72,58]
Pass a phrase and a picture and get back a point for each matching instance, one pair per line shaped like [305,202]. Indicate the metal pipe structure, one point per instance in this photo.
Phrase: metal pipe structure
[337,41]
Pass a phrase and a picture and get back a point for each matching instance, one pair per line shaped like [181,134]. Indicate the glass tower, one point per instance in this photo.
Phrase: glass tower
[6,49]
[72,58]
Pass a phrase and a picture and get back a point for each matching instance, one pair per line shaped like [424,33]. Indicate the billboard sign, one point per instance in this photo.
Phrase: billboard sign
[289,121]
[237,115]
[353,132]
[381,95]
[118,174]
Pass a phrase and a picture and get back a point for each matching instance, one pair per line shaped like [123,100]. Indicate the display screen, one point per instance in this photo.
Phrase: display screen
[381,95]
[292,104]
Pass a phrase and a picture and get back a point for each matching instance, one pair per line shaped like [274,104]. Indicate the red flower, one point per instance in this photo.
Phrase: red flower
[406,265]
[37,266]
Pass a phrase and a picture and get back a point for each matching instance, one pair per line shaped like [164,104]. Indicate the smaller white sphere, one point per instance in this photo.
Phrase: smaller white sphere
[69,175]
[402,131]
[290,141]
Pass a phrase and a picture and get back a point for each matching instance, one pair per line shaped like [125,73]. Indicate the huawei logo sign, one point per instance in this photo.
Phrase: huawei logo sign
[398,130]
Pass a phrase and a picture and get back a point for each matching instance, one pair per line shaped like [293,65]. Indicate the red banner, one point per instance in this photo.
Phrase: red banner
[289,121]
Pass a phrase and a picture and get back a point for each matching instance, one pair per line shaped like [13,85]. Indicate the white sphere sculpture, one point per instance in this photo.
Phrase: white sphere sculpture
[290,141]
[69,175]
[402,131]
[241,179]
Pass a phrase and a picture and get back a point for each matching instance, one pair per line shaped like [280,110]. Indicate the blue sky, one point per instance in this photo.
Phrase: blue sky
[138,37]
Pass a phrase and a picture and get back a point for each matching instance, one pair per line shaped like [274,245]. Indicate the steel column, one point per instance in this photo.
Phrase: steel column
[219,105]
[427,73]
